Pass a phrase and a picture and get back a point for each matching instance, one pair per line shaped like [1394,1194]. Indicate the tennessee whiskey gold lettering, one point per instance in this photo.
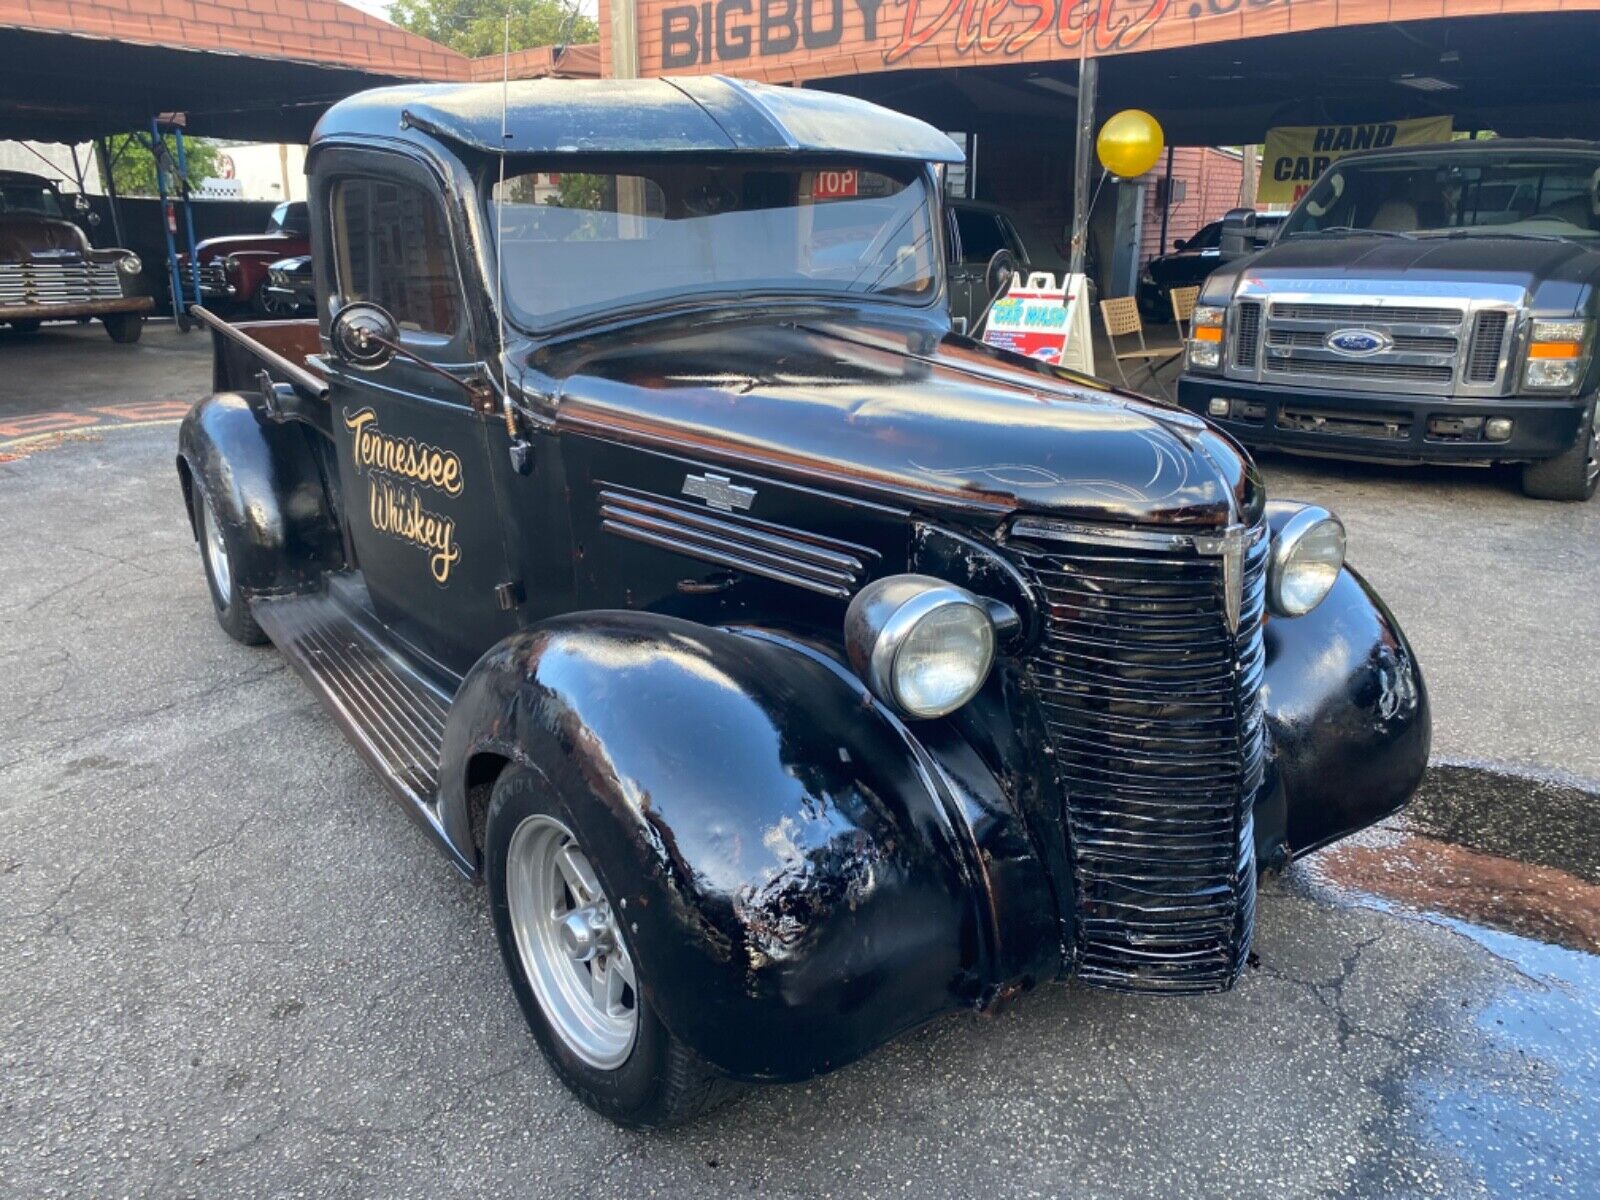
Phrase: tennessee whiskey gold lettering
[392,465]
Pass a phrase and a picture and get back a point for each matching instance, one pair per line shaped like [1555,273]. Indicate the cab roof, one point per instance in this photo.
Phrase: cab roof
[697,114]
[26,177]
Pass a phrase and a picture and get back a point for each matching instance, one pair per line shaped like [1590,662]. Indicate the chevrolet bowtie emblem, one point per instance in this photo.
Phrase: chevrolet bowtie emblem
[719,492]
[1229,546]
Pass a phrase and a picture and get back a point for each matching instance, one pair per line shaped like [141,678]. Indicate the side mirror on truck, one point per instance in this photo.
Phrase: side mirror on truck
[365,336]
[1238,233]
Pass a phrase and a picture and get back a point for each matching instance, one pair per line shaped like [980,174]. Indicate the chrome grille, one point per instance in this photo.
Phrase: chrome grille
[1247,334]
[1154,712]
[58,283]
[1372,368]
[1488,337]
[1419,344]
[1359,314]
[1310,339]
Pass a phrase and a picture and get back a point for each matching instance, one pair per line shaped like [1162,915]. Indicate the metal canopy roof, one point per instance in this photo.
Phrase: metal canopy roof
[647,116]
[63,88]
[1521,74]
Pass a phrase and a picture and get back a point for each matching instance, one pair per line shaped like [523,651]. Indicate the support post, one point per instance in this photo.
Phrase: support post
[624,20]
[1082,163]
[174,275]
[108,181]
[1166,204]
[188,213]
[1247,181]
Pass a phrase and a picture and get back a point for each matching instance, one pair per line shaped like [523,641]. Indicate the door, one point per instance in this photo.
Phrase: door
[418,479]
[979,235]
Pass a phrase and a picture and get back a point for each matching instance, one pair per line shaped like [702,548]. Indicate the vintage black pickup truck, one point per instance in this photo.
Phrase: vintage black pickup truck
[1420,304]
[792,669]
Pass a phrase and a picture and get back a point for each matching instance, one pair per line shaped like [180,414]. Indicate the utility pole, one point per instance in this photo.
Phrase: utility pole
[1083,161]
[624,22]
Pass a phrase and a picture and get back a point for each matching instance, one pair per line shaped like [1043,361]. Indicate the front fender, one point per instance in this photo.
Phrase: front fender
[795,885]
[263,483]
[1348,722]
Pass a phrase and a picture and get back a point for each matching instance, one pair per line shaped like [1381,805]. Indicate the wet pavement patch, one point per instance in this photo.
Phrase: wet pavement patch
[1510,862]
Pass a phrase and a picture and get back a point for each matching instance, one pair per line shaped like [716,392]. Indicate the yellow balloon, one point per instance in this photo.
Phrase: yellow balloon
[1130,143]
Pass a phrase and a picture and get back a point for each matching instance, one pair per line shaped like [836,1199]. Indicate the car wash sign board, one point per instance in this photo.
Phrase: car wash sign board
[1296,154]
[1045,321]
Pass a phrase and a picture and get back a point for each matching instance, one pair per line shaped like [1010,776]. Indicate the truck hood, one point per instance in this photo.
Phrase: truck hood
[911,416]
[23,238]
[275,244]
[1529,265]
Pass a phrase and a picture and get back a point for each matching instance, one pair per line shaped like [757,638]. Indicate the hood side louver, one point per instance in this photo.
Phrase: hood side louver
[822,565]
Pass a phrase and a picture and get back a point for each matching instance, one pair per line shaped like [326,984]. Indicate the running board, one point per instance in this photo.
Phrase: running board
[393,712]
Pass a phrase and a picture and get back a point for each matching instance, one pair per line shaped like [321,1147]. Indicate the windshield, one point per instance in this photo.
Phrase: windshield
[601,240]
[293,219]
[31,199]
[1456,195]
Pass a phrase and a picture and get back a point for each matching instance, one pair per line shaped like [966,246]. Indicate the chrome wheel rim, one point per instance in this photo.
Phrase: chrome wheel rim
[570,944]
[216,555]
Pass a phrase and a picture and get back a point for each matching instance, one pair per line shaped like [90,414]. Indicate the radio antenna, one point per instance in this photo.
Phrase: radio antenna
[500,227]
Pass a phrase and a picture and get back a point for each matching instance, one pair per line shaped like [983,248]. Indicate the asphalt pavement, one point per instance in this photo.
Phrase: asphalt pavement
[232,967]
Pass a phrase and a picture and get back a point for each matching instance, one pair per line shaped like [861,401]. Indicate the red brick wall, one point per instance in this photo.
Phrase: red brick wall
[939,33]
[1213,177]
[312,31]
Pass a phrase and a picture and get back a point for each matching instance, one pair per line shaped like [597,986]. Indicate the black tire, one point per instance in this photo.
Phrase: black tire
[1571,475]
[662,1082]
[125,328]
[27,325]
[270,307]
[232,608]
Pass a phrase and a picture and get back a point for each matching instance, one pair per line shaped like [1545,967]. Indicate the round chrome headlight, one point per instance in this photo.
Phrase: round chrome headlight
[922,645]
[129,264]
[1307,556]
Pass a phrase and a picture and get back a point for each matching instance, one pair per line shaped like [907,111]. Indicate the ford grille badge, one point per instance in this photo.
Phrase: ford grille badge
[719,491]
[1358,343]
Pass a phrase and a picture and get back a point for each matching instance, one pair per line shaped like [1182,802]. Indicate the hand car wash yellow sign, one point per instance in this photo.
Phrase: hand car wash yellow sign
[1296,154]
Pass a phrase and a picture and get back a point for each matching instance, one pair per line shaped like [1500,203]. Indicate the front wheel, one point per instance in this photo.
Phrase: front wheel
[232,609]
[27,325]
[1571,475]
[268,305]
[566,949]
[125,328]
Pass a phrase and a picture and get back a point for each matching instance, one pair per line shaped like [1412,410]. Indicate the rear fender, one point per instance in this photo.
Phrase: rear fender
[266,487]
[798,877]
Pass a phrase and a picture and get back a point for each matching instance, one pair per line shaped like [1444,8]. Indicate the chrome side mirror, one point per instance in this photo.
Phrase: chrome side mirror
[365,335]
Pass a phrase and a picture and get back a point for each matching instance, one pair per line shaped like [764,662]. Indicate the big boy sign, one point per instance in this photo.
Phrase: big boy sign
[717,33]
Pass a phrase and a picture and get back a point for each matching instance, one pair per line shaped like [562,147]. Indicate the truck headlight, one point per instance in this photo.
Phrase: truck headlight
[1205,336]
[923,646]
[129,264]
[1307,556]
[1558,354]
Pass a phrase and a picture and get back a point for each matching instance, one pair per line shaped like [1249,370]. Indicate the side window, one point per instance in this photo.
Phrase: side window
[1013,240]
[391,248]
[980,235]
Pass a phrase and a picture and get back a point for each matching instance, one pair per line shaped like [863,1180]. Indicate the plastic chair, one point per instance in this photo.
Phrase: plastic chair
[1183,301]
[1121,319]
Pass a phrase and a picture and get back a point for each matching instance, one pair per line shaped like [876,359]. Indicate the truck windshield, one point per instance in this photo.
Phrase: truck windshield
[30,199]
[577,243]
[1456,194]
